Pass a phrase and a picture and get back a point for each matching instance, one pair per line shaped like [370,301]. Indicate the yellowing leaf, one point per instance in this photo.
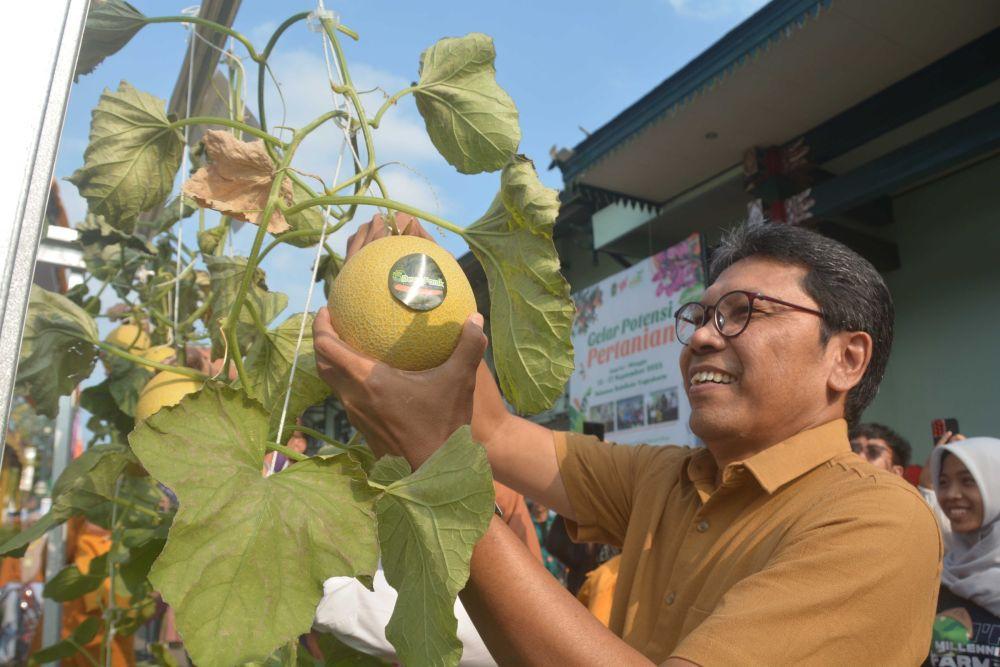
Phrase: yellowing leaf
[471,120]
[237,180]
[428,523]
[243,546]
[531,312]
[57,349]
[132,158]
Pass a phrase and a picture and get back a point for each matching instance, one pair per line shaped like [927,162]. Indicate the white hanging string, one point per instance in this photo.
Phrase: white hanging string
[340,104]
[185,167]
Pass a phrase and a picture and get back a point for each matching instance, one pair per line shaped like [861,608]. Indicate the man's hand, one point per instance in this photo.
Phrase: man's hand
[405,413]
[377,228]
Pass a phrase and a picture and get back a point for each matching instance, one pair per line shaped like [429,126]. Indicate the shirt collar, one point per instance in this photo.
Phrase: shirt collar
[778,464]
[781,463]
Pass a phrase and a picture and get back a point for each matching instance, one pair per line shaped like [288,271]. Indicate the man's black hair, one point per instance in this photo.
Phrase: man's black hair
[850,292]
[901,450]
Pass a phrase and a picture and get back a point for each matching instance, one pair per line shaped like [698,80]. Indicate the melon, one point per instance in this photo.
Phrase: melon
[402,300]
[129,337]
[166,388]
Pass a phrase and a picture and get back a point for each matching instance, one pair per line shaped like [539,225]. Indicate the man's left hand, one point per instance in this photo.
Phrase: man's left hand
[405,413]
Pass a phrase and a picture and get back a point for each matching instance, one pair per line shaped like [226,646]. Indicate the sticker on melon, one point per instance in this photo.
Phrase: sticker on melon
[166,388]
[402,300]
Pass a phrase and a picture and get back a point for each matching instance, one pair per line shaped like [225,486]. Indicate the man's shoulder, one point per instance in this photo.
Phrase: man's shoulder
[644,459]
[850,483]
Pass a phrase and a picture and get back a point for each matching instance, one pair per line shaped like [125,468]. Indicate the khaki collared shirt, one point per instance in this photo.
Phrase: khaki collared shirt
[804,555]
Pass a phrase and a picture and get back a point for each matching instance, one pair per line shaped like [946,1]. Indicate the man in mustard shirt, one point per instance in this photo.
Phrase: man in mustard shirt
[774,544]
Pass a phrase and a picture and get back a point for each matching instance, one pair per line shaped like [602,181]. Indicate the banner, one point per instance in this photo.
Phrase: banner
[627,374]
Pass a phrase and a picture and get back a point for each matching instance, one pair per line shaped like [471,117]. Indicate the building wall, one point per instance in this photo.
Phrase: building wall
[946,356]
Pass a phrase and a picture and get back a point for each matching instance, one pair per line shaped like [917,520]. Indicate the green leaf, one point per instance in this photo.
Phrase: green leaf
[433,518]
[329,267]
[531,313]
[132,158]
[57,349]
[241,543]
[106,415]
[471,120]
[268,366]
[112,255]
[338,654]
[110,26]
[69,583]
[162,656]
[225,274]
[68,647]
[86,487]
[210,239]
[310,218]
[125,381]
[170,214]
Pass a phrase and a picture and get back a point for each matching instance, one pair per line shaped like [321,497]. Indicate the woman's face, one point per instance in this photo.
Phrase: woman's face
[959,497]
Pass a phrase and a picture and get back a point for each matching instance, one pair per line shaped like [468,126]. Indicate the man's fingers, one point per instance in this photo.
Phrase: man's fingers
[471,343]
[333,353]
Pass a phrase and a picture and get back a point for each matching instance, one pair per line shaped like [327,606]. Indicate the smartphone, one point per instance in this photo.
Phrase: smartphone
[941,426]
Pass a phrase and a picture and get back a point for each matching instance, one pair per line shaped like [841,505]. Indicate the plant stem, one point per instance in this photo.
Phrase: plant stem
[262,67]
[138,508]
[389,103]
[319,435]
[376,485]
[198,312]
[235,124]
[287,451]
[287,236]
[118,352]
[377,201]
[258,240]
[212,25]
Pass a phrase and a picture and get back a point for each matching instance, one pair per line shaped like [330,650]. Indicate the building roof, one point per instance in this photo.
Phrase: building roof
[785,70]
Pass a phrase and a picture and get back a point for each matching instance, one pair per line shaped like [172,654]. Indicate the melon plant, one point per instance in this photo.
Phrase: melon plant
[241,556]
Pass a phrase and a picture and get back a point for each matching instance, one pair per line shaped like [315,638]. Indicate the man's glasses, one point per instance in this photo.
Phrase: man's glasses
[731,314]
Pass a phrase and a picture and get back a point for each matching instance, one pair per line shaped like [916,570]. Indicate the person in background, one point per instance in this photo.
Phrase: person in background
[881,446]
[966,477]
[926,487]
[543,520]
[598,591]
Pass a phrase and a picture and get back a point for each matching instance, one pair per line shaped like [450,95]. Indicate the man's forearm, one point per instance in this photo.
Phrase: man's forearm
[521,452]
[525,616]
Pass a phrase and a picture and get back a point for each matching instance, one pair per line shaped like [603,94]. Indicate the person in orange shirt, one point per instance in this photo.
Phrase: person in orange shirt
[761,547]
[87,541]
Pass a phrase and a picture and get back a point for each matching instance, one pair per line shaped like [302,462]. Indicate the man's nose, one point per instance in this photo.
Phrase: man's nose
[707,338]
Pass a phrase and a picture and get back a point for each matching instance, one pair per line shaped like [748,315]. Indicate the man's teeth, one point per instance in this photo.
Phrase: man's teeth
[709,376]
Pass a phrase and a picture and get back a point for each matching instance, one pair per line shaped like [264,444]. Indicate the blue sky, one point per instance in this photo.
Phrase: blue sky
[567,65]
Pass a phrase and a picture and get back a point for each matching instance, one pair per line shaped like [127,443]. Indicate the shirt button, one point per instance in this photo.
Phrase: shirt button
[703,526]
[671,597]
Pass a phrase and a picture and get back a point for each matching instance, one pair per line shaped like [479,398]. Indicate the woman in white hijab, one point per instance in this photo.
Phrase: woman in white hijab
[967,483]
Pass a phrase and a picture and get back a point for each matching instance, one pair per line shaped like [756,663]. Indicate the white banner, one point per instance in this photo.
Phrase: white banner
[627,375]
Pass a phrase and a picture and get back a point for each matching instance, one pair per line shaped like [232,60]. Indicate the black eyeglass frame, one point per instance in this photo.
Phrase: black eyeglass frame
[751,298]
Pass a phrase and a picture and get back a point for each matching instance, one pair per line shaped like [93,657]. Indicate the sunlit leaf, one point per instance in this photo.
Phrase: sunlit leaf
[269,364]
[531,312]
[110,26]
[226,274]
[132,158]
[433,517]
[57,349]
[471,120]
[242,543]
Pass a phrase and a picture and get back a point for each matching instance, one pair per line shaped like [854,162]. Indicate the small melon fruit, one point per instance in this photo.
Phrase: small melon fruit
[166,388]
[129,337]
[367,316]
[161,354]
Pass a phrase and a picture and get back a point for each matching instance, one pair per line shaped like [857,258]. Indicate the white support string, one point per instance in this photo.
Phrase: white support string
[341,104]
[185,167]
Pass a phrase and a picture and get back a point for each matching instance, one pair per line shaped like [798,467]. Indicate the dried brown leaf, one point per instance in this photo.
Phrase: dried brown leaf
[237,180]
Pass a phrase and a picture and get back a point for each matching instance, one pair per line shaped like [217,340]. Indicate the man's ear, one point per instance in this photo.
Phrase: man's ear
[851,353]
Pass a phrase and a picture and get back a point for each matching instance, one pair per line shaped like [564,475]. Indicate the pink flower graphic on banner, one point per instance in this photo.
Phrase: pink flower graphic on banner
[586,309]
[677,268]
